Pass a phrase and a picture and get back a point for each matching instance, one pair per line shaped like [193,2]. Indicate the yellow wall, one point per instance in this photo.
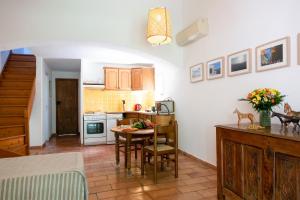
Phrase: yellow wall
[111,101]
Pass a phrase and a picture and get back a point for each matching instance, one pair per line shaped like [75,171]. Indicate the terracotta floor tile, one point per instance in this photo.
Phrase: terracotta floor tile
[106,181]
[93,197]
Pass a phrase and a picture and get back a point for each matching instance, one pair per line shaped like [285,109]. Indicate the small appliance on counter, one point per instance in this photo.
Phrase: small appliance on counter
[94,128]
[137,107]
[165,107]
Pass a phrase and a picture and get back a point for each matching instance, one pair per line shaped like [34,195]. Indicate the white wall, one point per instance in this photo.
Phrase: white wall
[234,25]
[113,22]
[3,58]
[36,120]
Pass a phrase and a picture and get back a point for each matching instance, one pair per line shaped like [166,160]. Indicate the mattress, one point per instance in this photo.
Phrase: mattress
[43,177]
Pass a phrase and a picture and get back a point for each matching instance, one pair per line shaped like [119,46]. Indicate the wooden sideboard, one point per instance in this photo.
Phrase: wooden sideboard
[258,164]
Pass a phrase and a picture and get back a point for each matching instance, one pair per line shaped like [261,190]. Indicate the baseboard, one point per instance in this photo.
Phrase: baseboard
[38,147]
[199,160]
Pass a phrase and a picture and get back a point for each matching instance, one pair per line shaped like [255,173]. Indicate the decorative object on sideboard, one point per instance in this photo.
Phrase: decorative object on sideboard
[262,100]
[289,112]
[159,26]
[286,120]
[241,116]
[272,55]
[192,33]
[239,63]
[215,68]
[197,73]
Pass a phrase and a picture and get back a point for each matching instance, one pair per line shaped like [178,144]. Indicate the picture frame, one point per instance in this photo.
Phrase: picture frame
[197,73]
[239,63]
[273,55]
[215,68]
[298,48]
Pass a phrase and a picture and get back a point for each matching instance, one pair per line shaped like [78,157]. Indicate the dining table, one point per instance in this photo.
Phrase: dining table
[129,135]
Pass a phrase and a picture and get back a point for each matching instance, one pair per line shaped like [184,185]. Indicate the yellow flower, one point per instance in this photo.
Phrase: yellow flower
[258,97]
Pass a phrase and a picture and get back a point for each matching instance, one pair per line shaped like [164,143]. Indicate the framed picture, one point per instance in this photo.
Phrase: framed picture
[196,73]
[239,63]
[273,55]
[298,48]
[215,68]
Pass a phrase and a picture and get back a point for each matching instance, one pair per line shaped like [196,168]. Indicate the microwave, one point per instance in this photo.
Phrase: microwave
[166,106]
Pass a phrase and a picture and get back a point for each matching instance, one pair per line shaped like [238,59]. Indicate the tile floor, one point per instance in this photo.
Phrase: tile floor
[105,181]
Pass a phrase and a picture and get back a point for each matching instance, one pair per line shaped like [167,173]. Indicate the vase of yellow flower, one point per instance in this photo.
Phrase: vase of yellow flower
[262,100]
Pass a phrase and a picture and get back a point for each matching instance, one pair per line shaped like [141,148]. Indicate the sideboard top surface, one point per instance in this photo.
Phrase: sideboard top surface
[276,130]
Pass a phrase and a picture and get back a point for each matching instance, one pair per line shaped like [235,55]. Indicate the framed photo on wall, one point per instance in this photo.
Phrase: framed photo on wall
[239,63]
[196,73]
[273,55]
[215,68]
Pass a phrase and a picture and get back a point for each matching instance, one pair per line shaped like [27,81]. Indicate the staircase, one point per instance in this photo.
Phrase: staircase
[17,89]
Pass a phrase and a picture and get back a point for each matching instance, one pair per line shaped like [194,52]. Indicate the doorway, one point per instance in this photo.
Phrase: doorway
[66,106]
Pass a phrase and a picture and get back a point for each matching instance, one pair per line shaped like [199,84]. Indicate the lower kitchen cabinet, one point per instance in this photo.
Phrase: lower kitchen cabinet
[256,165]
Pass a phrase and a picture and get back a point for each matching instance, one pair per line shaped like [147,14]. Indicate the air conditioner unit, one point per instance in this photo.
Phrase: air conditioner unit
[195,31]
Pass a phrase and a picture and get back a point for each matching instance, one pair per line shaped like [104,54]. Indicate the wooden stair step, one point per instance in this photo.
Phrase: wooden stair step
[22,57]
[6,121]
[12,130]
[12,142]
[13,100]
[12,109]
[20,149]
[10,137]
[23,70]
[14,92]
[18,76]
[12,83]
[21,63]
[12,87]
[5,153]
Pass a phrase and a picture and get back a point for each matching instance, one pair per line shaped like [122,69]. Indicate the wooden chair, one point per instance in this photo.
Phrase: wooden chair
[134,141]
[164,151]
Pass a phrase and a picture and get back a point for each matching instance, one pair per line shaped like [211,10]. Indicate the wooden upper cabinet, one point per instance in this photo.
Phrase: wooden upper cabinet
[142,78]
[124,79]
[111,78]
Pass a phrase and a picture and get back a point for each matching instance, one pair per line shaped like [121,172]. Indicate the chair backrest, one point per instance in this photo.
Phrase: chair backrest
[163,120]
[123,122]
[169,131]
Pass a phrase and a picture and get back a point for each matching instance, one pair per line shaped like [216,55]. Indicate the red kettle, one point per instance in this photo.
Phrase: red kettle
[137,107]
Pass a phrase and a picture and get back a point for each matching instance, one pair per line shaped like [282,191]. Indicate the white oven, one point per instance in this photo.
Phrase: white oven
[94,128]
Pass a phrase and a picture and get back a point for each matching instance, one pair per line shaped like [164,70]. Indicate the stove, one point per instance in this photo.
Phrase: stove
[94,128]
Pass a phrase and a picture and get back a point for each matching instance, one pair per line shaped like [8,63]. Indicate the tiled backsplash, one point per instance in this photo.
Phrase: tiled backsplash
[111,101]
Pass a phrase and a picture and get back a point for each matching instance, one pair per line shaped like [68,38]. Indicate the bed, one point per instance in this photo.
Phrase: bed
[43,177]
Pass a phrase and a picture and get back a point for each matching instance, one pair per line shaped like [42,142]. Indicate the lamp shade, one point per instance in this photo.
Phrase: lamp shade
[159,27]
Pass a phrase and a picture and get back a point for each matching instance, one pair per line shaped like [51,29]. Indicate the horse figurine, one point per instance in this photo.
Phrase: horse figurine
[289,112]
[241,116]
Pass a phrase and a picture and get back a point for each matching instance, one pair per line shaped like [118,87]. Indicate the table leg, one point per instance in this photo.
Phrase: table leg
[128,153]
[117,149]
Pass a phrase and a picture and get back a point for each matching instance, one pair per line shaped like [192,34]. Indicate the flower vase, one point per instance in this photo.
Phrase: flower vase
[265,118]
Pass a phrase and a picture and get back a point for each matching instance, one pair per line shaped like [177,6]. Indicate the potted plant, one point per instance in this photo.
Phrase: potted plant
[262,100]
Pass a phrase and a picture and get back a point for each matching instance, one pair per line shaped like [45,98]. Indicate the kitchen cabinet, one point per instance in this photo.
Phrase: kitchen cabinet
[258,164]
[142,78]
[111,78]
[124,79]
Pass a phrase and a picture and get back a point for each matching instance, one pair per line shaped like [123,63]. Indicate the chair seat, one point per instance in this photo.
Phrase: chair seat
[133,140]
[160,148]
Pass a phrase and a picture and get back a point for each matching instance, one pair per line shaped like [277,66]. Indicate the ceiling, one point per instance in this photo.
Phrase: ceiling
[62,64]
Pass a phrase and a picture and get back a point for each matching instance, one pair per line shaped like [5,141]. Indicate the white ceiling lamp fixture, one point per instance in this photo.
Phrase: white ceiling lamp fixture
[159,26]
